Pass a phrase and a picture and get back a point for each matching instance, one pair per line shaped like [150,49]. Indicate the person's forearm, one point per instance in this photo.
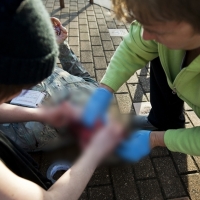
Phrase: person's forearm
[107,87]
[71,185]
[157,139]
[11,113]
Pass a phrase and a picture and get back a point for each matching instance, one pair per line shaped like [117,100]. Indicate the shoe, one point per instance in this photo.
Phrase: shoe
[142,123]
[34,136]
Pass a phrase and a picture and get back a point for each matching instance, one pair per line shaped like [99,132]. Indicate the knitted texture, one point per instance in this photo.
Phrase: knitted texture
[28,48]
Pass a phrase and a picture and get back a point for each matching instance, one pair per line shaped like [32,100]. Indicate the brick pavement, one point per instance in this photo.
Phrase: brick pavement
[163,175]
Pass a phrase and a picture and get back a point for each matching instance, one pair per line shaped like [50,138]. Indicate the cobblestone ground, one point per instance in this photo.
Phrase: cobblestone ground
[163,175]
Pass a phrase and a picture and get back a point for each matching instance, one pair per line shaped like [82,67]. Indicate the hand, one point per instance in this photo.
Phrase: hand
[106,139]
[96,107]
[135,147]
[59,115]
[61,32]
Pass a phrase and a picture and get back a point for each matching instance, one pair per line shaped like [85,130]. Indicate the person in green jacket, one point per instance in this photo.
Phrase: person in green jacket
[167,34]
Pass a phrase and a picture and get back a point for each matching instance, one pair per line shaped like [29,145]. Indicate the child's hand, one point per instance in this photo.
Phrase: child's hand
[59,115]
[61,32]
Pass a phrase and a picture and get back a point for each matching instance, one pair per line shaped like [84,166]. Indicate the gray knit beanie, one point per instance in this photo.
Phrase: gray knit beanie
[28,48]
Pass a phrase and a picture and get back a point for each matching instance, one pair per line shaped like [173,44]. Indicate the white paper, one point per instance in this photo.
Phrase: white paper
[118,32]
[29,98]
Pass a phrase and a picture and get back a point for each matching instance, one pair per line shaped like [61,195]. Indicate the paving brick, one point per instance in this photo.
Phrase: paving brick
[149,189]
[94,32]
[159,151]
[73,18]
[169,178]
[145,83]
[124,183]
[133,79]
[73,41]
[116,40]
[108,45]
[86,56]
[100,74]
[124,102]
[97,51]
[192,183]
[111,25]
[85,45]
[187,107]
[82,15]
[142,72]
[95,40]
[92,19]
[73,25]
[103,29]
[123,89]
[99,16]
[100,177]
[76,50]
[197,160]
[184,162]
[137,93]
[193,117]
[101,21]
[108,18]
[101,193]
[84,36]
[90,68]
[148,96]
[97,11]
[92,25]
[109,55]
[83,28]
[105,36]
[90,12]
[100,62]
[73,32]
[82,21]
[144,169]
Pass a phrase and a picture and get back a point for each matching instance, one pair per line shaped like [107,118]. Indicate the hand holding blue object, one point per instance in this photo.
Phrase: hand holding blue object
[135,147]
[96,107]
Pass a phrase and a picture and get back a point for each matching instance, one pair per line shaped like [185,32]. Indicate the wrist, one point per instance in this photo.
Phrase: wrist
[107,88]
[157,139]
[40,115]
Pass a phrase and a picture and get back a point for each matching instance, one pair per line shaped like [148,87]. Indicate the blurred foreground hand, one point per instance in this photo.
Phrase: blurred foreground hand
[135,147]
[106,139]
[59,115]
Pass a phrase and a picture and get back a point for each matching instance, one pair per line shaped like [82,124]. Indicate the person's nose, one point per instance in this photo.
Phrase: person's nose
[148,36]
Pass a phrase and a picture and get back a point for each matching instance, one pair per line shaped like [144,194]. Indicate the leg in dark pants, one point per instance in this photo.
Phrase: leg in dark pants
[167,108]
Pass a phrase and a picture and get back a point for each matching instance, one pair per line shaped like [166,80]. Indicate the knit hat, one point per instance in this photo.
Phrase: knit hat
[28,49]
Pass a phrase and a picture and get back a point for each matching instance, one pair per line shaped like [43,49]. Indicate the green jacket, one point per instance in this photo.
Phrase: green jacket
[133,54]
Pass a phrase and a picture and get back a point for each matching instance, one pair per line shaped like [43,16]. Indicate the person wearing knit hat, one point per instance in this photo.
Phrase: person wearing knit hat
[21,178]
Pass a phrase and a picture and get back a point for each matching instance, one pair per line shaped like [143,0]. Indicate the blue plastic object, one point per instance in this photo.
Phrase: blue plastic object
[96,107]
[135,147]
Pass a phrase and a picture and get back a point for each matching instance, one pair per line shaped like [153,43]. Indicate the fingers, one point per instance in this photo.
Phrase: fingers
[55,21]
[62,28]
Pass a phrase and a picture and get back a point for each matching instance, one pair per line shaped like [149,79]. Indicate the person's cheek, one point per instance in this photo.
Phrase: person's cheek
[148,36]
